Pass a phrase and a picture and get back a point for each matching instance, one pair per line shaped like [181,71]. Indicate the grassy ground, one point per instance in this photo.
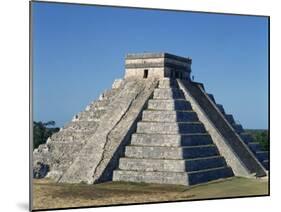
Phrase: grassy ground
[47,194]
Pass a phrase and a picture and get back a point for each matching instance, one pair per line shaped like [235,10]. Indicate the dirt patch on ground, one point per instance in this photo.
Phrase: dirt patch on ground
[47,194]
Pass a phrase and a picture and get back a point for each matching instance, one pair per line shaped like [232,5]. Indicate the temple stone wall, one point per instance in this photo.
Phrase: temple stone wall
[139,73]
[143,61]
[158,65]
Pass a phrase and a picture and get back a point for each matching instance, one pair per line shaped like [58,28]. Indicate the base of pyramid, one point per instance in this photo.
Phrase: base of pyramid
[181,178]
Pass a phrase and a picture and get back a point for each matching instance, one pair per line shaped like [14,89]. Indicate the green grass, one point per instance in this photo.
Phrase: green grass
[48,194]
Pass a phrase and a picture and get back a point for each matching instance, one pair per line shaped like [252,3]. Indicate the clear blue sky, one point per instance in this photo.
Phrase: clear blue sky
[79,50]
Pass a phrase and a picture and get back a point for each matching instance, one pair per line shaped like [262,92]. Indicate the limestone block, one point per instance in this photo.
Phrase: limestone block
[171,104]
[168,93]
[175,140]
[167,83]
[144,164]
[160,152]
[170,127]
[117,83]
[169,116]
[151,177]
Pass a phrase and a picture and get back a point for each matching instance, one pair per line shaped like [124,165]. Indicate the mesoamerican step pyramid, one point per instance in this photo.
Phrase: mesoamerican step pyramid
[156,126]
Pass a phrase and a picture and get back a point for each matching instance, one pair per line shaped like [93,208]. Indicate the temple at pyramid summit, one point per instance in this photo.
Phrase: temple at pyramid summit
[156,125]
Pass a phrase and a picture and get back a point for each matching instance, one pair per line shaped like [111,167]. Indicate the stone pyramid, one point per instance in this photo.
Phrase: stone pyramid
[154,126]
[171,145]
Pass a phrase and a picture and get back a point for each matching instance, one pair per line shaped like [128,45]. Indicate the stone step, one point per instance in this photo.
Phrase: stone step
[168,104]
[238,128]
[109,94]
[183,178]
[246,137]
[141,164]
[212,97]
[180,178]
[254,146]
[209,174]
[90,115]
[160,152]
[169,116]
[171,140]
[220,107]
[168,83]
[81,125]
[168,93]
[71,135]
[230,118]
[265,164]
[170,127]
[262,155]
[97,105]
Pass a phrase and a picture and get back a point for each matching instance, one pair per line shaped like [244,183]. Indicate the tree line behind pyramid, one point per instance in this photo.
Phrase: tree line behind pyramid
[156,125]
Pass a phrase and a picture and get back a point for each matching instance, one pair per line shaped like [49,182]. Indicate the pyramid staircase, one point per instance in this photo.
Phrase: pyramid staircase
[255,147]
[171,145]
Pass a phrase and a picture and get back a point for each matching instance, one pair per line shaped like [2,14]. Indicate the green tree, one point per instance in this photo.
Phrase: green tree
[262,138]
[42,131]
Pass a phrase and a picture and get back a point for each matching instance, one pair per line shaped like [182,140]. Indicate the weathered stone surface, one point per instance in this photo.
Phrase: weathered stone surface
[171,152]
[63,147]
[95,156]
[168,93]
[170,127]
[169,116]
[167,83]
[169,165]
[183,178]
[175,140]
[117,83]
[157,104]
[157,65]
[151,177]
